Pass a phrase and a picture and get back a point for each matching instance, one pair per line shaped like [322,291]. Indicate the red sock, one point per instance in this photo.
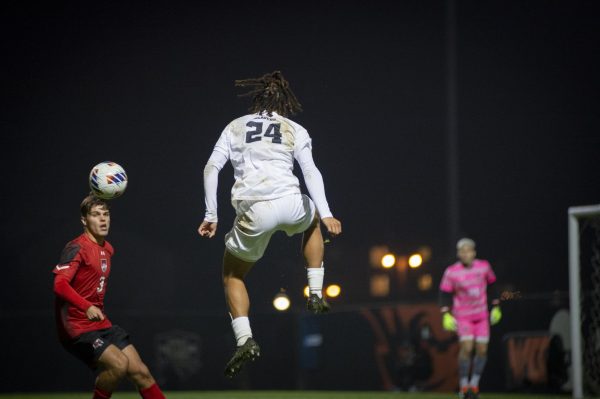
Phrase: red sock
[100,394]
[152,392]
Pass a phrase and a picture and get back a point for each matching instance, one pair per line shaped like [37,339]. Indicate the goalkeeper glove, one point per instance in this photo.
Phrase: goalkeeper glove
[449,322]
[495,315]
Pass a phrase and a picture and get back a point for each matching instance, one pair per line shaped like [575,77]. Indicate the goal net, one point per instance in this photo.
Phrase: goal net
[584,293]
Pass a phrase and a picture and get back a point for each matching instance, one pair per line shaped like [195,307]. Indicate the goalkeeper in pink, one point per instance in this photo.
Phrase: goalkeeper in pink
[464,307]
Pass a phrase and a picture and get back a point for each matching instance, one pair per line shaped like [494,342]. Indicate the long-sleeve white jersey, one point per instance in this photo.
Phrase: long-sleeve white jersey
[262,150]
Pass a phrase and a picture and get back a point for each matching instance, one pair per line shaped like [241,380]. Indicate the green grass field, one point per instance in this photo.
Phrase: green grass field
[280,395]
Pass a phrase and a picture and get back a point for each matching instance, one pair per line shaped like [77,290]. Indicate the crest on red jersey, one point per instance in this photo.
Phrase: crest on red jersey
[103,265]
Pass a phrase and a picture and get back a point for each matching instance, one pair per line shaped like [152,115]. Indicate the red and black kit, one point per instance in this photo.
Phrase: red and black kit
[81,279]
[80,282]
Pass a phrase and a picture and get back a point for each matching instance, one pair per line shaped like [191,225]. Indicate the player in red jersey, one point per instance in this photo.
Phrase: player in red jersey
[80,282]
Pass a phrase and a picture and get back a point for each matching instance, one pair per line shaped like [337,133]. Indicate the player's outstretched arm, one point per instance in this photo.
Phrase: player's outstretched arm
[214,165]
[207,229]
[316,189]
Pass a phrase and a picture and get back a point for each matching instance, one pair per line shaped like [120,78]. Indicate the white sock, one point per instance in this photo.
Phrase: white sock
[241,329]
[475,380]
[315,280]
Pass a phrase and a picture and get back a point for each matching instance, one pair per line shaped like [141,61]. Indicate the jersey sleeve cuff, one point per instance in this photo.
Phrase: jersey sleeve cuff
[326,215]
[211,217]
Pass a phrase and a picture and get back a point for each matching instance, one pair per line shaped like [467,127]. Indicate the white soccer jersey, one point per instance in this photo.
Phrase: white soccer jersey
[262,150]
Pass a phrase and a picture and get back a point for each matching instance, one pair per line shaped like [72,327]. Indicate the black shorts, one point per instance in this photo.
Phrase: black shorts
[89,346]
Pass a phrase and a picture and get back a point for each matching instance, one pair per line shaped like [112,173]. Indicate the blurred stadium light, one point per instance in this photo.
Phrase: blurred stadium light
[281,301]
[415,260]
[333,290]
[388,260]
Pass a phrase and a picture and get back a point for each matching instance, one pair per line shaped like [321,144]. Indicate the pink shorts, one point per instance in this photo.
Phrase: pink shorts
[478,330]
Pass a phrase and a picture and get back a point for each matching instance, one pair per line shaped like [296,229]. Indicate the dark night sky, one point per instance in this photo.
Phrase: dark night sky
[151,87]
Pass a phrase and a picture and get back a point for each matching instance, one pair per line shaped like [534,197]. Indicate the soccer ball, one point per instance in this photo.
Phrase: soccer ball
[108,180]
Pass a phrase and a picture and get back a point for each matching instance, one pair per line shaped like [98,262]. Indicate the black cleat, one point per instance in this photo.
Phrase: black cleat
[317,305]
[249,351]
[464,393]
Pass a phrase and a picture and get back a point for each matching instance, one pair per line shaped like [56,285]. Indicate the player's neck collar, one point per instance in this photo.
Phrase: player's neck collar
[266,113]
[90,237]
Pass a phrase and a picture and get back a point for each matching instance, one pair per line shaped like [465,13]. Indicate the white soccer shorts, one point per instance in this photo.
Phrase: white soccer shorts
[256,222]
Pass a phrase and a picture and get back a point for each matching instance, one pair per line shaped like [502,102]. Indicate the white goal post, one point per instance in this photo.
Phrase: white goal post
[575,214]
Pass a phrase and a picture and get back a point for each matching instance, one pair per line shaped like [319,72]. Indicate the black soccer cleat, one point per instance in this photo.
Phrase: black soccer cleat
[464,393]
[249,351]
[317,305]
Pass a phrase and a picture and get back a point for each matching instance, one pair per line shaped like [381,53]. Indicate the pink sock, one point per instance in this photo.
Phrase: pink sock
[152,392]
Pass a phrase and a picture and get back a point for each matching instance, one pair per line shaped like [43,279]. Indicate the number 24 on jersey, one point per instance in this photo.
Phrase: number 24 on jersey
[257,133]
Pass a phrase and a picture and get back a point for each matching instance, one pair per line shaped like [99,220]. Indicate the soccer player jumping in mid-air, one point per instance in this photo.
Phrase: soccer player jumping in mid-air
[80,282]
[266,196]
[464,306]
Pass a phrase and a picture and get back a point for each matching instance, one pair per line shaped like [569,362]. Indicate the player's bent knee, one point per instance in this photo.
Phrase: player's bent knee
[142,369]
[117,366]
[115,361]
[140,373]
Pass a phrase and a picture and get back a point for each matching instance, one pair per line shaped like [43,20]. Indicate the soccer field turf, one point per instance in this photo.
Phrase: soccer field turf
[281,395]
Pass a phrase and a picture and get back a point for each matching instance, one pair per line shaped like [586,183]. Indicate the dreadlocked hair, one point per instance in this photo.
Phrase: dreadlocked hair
[271,93]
